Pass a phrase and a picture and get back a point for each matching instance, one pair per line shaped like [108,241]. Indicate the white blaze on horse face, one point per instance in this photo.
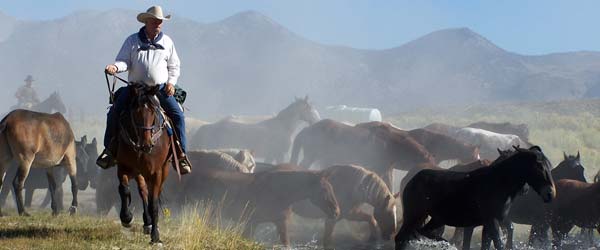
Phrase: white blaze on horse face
[478,157]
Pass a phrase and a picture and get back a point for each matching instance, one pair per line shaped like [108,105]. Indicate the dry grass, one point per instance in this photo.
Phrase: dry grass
[196,228]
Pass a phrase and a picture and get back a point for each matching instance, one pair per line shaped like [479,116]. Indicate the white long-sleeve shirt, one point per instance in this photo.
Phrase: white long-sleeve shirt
[153,66]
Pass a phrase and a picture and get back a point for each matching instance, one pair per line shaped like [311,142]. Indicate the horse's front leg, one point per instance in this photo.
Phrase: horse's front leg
[125,215]
[29,196]
[467,235]
[491,232]
[282,230]
[143,190]
[329,227]
[358,214]
[508,225]
[154,193]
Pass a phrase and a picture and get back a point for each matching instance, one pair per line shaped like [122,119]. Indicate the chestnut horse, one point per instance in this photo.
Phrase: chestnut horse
[354,186]
[441,146]
[480,197]
[577,204]
[143,154]
[37,140]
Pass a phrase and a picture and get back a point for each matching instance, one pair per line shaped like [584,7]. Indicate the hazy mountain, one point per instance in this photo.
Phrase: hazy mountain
[248,63]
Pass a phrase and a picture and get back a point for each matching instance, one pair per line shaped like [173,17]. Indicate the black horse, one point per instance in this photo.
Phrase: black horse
[480,197]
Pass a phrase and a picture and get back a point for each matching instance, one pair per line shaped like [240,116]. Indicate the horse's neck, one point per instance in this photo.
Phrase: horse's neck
[507,174]
[285,120]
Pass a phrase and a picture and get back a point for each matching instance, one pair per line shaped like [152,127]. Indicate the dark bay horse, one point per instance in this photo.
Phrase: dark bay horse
[143,154]
[269,139]
[479,197]
[377,148]
[354,186]
[529,209]
[577,204]
[37,140]
[262,197]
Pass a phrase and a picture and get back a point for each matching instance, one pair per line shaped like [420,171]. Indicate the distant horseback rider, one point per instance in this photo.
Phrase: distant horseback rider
[150,58]
[26,95]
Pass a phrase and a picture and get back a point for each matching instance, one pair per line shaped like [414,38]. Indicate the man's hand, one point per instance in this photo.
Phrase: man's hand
[170,89]
[111,69]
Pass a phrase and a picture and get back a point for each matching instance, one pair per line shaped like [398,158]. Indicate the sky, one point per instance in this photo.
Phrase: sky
[524,27]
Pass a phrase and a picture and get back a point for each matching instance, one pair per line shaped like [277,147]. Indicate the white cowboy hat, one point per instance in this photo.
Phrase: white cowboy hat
[153,12]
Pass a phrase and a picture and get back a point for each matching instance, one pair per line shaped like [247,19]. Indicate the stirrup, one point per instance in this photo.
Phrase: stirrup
[105,160]
[184,166]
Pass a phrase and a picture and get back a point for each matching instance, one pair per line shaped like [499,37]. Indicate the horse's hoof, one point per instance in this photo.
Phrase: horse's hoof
[72,210]
[147,229]
[127,224]
[26,214]
[158,243]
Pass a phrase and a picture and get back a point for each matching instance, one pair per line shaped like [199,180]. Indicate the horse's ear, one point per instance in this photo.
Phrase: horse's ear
[94,142]
[578,156]
[499,151]
[397,195]
[565,155]
[84,140]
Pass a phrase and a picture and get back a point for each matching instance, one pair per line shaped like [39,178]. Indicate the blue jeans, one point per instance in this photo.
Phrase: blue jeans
[168,103]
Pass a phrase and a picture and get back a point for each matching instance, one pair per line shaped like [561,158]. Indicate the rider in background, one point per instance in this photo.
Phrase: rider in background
[26,95]
[149,57]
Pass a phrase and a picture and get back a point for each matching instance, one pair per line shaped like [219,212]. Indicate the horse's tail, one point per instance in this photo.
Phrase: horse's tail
[297,146]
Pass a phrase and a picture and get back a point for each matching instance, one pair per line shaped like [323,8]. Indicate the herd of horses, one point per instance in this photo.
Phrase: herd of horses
[333,170]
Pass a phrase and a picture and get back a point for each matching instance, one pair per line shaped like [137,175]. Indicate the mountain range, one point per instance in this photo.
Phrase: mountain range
[250,64]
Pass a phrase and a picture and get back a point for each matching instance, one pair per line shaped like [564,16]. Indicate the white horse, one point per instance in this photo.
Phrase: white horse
[489,142]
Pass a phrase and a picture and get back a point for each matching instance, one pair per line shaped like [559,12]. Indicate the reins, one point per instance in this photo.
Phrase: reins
[125,135]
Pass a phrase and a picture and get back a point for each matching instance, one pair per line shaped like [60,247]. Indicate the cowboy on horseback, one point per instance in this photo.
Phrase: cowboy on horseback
[26,95]
[150,58]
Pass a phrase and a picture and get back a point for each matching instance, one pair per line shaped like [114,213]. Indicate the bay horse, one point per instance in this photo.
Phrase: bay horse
[353,186]
[227,160]
[269,139]
[143,154]
[37,179]
[479,197]
[377,148]
[37,140]
[262,197]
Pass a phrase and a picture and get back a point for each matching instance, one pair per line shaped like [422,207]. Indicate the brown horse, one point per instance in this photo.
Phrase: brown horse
[38,140]
[37,179]
[577,204]
[269,139]
[354,186]
[479,197]
[262,197]
[441,146]
[378,148]
[143,154]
